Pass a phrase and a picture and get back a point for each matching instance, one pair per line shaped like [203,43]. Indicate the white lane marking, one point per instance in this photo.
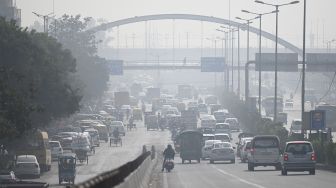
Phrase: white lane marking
[238,178]
[165,181]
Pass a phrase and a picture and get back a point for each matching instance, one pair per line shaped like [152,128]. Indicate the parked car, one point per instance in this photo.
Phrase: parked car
[224,137]
[265,151]
[222,151]
[56,149]
[298,156]
[208,146]
[27,166]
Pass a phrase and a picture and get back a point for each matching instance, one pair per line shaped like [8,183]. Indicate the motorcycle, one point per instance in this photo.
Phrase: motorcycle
[169,165]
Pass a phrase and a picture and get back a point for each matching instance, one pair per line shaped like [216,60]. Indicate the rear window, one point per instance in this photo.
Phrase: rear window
[222,126]
[299,148]
[54,144]
[26,159]
[266,143]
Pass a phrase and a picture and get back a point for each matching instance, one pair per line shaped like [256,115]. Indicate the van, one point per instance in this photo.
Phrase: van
[265,151]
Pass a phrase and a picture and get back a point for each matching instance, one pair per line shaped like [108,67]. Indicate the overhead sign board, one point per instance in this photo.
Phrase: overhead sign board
[317,119]
[321,62]
[287,62]
[213,64]
[116,67]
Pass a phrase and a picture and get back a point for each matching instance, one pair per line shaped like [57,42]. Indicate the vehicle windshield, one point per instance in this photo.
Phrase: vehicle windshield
[54,144]
[299,148]
[266,143]
[222,145]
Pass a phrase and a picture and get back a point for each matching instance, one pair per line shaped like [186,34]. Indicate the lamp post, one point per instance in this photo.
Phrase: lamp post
[248,22]
[276,51]
[259,15]
[303,62]
[231,30]
[226,54]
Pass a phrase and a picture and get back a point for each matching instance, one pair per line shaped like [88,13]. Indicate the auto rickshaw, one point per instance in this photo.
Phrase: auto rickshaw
[190,143]
[67,168]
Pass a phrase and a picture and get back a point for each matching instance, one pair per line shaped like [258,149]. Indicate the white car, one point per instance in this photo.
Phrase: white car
[208,121]
[245,151]
[233,122]
[206,149]
[222,151]
[81,142]
[56,149]
[27,166]
[223,137]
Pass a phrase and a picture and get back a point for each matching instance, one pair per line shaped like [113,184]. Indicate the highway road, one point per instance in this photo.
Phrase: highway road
[237,176]
[108,158]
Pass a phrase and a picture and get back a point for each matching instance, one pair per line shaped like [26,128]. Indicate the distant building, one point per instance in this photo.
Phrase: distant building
[9,10]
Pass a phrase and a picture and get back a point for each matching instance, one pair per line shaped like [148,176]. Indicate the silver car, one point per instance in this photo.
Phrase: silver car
[56,149]
[222,151]
[298,156]
[27,166]
[208,146]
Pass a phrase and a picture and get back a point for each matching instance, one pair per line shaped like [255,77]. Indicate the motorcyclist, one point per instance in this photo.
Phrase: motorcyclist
[168,153]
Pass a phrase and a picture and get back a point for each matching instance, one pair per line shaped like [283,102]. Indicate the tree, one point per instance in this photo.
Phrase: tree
[35,75]
[92,70]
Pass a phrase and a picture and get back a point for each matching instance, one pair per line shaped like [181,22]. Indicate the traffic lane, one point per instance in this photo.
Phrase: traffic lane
[108,158]
[236,175]
[198,175]
[268,177]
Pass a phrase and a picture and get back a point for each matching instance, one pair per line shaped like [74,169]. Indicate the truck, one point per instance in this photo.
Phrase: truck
[121,98]
[189,119]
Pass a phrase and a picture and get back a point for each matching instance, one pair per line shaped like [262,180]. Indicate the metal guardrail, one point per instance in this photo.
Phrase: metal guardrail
[115,177]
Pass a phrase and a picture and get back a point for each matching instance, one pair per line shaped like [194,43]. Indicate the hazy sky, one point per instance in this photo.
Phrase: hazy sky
[320,13]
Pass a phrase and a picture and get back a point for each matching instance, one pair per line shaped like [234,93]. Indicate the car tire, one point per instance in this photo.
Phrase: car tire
[312,172]
[250,166]
[284,172]
[278,167]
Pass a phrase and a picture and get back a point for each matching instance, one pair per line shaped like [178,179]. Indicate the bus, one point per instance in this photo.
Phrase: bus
[37,144]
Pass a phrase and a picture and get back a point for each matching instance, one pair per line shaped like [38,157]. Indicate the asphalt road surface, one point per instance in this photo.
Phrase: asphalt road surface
[108,158]
[224,174]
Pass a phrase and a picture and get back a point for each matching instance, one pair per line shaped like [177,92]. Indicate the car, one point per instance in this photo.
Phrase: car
[207,136]
[224,137]
[296,127]
[223,128]
[241,143]
[222,151]
[56,149]
[27,166]
[220,115]
[265,151]
[233,122]
[206,149]
[298,156]
[245,150]
[208,121]
[82,142]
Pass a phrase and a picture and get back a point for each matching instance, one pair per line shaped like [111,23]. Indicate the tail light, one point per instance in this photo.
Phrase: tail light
[313,156]
[252,151]
[285,157]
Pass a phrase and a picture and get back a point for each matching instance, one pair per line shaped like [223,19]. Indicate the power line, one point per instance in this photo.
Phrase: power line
[330,85]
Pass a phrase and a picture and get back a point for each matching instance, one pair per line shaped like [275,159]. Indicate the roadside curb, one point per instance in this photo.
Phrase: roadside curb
[326,167]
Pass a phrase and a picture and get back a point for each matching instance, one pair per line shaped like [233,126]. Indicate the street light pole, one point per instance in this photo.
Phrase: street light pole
[259,16]
[303,62]
[238,89]
[275,113]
